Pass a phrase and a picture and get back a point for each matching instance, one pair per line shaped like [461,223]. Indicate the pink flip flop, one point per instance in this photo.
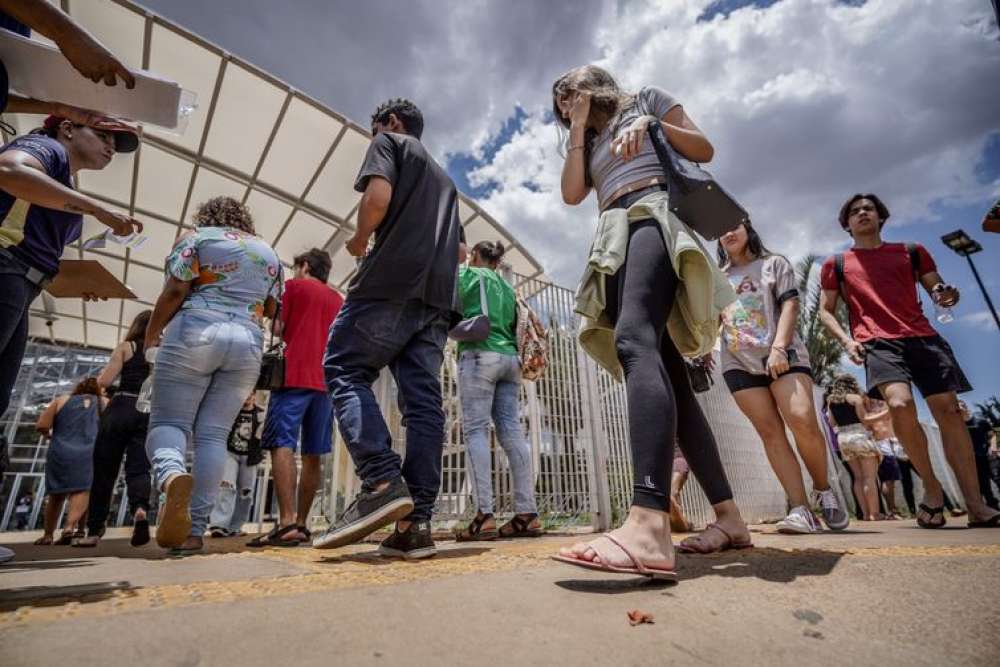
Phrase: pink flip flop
[686,548]
[639,569]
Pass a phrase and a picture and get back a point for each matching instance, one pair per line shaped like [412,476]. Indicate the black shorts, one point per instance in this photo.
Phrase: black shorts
[925,361]
[738,379]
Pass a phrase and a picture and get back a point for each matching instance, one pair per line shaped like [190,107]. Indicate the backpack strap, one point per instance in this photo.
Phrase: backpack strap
[838,272]
[911,251]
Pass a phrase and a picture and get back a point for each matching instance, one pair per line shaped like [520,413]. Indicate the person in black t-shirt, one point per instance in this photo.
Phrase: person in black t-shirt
[398,310]
[983,439]
[243,453]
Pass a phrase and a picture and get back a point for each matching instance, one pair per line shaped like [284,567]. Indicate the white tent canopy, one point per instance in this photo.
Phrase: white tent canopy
[291,159]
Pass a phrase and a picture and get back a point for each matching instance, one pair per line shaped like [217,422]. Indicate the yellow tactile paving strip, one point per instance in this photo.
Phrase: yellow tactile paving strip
[360,567]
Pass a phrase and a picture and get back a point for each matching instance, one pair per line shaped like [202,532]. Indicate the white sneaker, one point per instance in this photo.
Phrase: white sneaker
[834,515]
[6,555]
[800,521]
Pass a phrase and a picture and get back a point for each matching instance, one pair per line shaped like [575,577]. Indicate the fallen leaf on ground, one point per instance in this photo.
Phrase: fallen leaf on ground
[637,617]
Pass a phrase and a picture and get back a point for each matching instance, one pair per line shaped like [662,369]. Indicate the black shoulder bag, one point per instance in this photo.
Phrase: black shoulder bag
[474,329]
[695,196]
[272,364]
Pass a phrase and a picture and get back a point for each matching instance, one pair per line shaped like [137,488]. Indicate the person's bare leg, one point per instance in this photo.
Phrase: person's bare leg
[869,485]
[678,520]
[911,435]
[284,473]
[959,453]
[889,493]
[858,486]
[53,508]
[647,534]
[759,406]
[793,394]
[76,508]
[308,483]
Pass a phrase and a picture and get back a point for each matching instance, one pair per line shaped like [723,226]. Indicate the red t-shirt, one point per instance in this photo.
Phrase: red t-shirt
[307,310]
[881,291]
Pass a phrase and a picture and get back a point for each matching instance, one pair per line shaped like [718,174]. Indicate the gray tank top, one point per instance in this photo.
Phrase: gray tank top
[609,172]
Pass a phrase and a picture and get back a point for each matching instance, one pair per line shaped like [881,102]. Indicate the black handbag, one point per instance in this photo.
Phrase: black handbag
[695,196]
[474,329]
[272,363]
[701,378]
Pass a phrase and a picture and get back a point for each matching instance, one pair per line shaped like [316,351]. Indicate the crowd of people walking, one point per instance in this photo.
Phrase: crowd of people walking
[651,296]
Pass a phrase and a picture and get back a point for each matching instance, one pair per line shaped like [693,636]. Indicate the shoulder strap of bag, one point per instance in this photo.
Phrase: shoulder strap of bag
[483,303]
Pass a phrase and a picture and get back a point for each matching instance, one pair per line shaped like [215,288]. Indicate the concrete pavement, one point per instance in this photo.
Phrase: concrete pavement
[883,593]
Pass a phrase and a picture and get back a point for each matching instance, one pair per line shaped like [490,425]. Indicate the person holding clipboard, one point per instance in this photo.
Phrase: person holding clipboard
[40,213]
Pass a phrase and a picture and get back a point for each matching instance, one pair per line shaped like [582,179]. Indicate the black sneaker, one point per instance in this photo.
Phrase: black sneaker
[369,512]
[415,543]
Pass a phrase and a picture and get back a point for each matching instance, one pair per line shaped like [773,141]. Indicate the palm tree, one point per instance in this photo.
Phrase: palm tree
[825,352]
[990,410]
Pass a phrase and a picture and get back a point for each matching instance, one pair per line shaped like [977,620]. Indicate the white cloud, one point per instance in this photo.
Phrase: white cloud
[806,101]
[982,319]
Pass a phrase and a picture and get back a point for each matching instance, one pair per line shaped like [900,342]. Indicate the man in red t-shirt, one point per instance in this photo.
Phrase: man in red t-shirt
[308,308]
[898,346]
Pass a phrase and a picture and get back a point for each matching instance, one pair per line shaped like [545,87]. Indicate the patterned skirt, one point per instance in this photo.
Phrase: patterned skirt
[856,443]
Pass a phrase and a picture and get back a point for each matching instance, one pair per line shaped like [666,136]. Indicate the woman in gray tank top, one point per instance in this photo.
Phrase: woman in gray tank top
[71,423]
[609,151]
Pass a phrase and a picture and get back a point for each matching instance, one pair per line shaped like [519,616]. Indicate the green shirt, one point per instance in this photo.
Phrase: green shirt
[502,302]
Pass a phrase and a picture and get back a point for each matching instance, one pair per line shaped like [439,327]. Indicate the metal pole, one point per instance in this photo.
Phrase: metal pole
[982,288]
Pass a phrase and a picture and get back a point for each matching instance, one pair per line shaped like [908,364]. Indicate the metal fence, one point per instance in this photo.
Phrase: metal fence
[575,418]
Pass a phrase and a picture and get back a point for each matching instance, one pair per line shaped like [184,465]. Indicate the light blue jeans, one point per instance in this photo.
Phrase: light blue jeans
[489,384]
[207,365]
[232,506]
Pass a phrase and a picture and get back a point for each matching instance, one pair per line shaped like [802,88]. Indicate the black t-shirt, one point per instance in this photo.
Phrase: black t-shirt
[244,439]
[415,255]
[979,431]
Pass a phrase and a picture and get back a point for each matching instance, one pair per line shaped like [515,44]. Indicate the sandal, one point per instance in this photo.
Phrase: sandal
[639,569]
[931,512]
[65,539]
[89,541]
[474,531]
[696,544]
[43,541]
[308,536]
[992,522]
[140,533]
[276,538]
[520,526]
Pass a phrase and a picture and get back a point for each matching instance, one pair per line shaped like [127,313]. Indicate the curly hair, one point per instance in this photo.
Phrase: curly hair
[407,113]
[87,385]
[224,212]
[841,386]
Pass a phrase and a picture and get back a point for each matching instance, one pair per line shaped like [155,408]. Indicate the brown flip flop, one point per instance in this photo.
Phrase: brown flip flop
[688,545]
[175,515]
[656,574]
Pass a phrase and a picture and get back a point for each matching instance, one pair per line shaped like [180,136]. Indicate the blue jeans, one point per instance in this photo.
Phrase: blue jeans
[232,506]
[408,338]
[489,384]
[16,295]
[207,365]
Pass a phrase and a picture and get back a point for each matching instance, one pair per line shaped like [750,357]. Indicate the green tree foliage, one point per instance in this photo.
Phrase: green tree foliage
[825,352]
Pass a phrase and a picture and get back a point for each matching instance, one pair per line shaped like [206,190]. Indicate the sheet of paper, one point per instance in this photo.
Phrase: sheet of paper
[132,241]
[41,72]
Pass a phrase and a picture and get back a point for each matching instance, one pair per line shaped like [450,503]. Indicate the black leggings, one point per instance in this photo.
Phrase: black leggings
[122,434]
[661,403]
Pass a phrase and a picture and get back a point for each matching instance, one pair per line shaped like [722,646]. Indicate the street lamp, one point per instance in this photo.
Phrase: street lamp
[966,247]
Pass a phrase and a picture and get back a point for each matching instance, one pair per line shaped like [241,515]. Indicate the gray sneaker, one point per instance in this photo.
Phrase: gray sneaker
[370,511]
[834,515]
[800,521]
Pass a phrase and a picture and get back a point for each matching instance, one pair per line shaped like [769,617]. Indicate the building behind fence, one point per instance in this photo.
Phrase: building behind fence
[575,418]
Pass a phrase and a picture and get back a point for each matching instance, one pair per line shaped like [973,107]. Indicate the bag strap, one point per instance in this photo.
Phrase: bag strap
[911,251]
[483,303]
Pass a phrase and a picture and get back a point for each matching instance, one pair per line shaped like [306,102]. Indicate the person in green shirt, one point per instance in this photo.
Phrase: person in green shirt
[489,383]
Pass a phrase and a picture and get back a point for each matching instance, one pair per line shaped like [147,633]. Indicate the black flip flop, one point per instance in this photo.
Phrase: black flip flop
[276,538]
[308,535]
[140,533]
[992,522]
[932,511]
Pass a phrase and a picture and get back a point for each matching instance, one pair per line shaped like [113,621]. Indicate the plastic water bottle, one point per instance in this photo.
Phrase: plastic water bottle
[942,313]
[142,403]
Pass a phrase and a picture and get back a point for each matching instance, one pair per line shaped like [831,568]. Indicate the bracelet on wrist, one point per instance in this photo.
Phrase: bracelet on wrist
[574,148]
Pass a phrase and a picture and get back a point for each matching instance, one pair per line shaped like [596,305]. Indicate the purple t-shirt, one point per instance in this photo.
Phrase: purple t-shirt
[35,234]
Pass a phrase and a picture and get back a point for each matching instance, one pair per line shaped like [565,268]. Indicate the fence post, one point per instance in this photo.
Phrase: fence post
[597,452]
